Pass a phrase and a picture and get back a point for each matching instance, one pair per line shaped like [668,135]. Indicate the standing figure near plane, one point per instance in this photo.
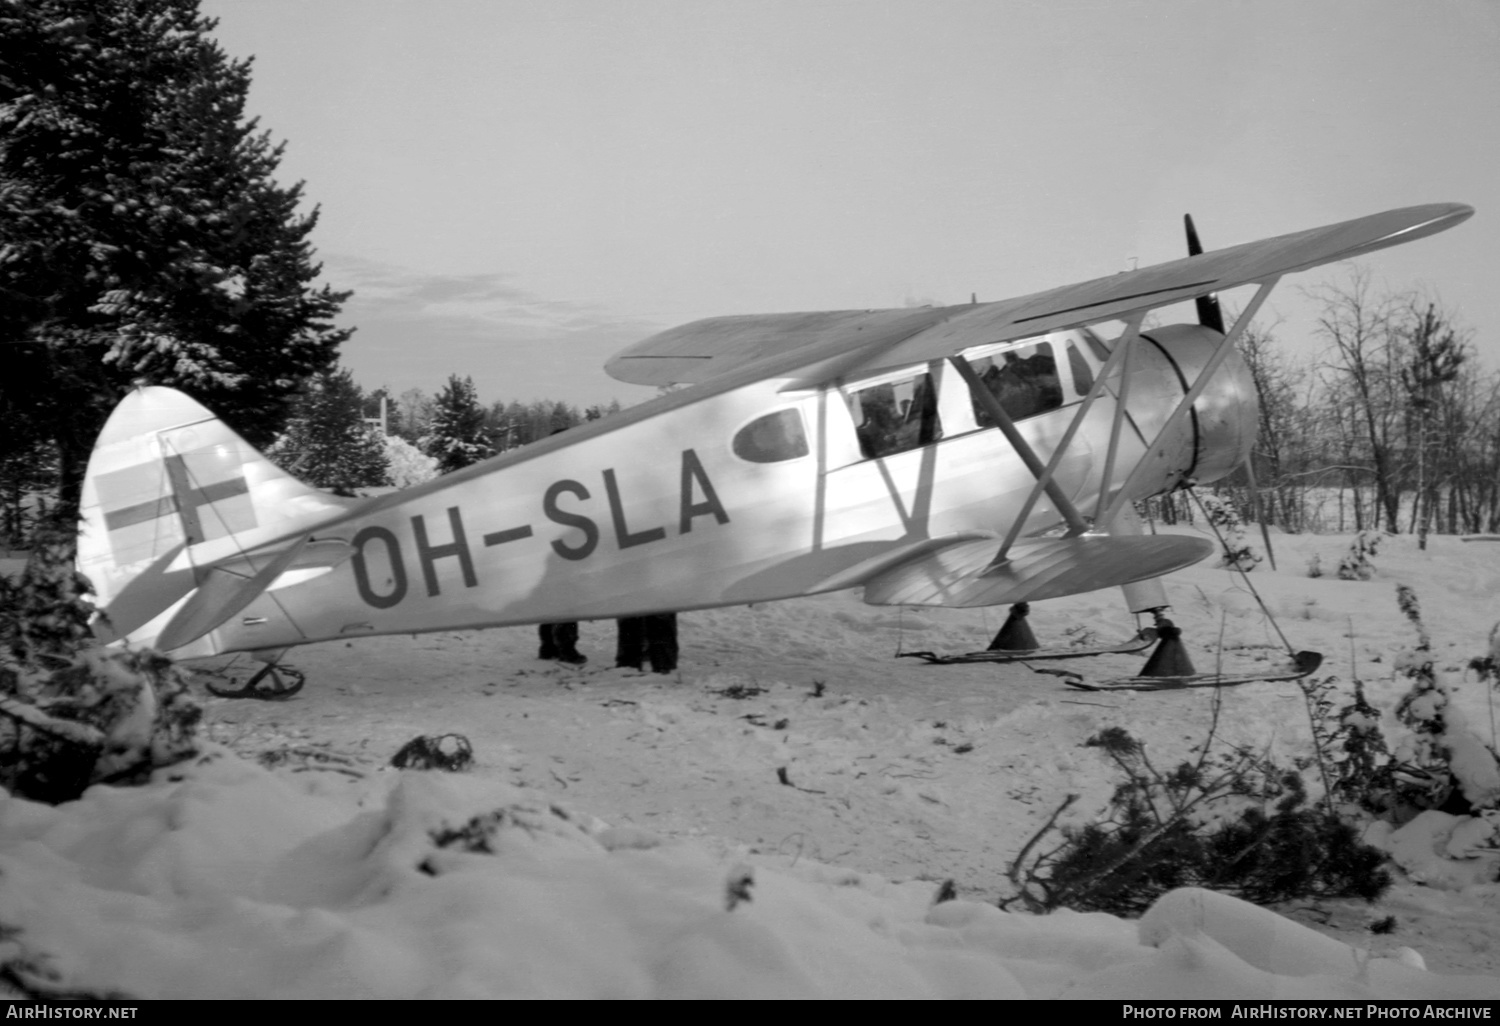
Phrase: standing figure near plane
[560,642]
[650,638]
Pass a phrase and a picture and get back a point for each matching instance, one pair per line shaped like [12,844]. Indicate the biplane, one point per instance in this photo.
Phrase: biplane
[967,455]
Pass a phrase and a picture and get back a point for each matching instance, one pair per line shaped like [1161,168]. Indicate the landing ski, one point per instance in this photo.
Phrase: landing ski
[1142,641]
[1303,663]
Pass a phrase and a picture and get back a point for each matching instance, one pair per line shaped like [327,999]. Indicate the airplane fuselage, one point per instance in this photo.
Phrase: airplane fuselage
[922,454]
[749,495]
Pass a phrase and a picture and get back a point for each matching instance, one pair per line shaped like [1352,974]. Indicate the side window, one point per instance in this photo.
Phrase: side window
[1024,379]
[770,439]
[895,416]
[1083,376]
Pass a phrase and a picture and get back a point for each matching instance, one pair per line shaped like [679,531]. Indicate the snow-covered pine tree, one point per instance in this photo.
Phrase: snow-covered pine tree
[142,234]
[458,437]
[327,441]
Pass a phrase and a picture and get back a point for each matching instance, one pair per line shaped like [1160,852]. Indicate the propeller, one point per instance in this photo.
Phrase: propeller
[1209,314]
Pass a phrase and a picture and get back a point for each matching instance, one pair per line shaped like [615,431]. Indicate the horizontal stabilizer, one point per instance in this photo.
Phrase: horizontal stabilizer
[315,553]
[963,575]
[220,596]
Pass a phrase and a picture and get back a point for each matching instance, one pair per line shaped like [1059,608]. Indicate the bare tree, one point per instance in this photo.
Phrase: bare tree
[1284,440]
[1363,382]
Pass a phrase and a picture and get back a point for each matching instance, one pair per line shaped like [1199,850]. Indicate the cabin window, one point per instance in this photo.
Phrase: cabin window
[770,439]
[1024,379]
[895,416]
[1083,375]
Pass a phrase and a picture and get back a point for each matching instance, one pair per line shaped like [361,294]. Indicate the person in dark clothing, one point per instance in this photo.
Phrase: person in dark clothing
[648,638]
[661,642]
[560,642]
[630,648]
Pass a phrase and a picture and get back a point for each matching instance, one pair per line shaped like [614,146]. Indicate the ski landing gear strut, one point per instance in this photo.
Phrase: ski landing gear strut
[1170,667]
[1170,658]
[1016,643]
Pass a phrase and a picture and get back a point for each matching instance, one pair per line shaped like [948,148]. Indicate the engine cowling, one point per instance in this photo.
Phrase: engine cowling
[1218,434]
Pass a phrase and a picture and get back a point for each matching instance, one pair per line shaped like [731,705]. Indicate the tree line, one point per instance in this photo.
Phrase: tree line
[1392,424]
[500,425]
[342,438]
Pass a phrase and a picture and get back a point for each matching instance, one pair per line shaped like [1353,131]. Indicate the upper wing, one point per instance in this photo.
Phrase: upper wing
[694,353]
[873,340]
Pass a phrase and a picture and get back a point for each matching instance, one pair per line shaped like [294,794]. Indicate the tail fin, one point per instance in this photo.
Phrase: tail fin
[166,475]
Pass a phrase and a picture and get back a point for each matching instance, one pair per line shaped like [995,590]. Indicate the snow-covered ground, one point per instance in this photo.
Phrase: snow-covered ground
[777,819]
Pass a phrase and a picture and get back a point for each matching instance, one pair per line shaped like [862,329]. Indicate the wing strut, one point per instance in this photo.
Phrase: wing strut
[1043,474]
[1123,351]
[1061,449]
[1204,377]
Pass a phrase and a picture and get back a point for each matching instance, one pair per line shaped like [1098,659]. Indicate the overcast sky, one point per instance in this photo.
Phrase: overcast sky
[514,190]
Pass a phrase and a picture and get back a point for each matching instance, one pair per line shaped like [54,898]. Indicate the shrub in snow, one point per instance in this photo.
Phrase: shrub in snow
[1487,666]
[1440,773]
[73,714]
[1349,747]
[1442,764]
[517,824]
[1315,566]
[1356,564]
[1230,530]
[45,613]
[451,752]
[1229,821]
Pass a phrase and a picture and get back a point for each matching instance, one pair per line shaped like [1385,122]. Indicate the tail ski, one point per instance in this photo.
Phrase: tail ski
[184,524]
